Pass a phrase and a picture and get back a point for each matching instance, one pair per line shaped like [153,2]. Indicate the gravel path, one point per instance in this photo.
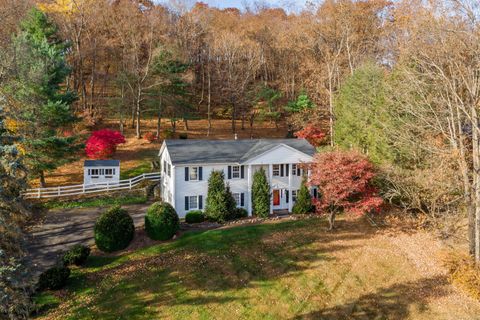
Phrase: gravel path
[63,228]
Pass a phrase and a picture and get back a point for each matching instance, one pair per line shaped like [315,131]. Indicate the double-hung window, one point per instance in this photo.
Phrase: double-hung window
[193,202]
[169,169]
[95,172]
[239,199]
[294,169]
[236,172]
[109,172]
[236,196]
[193,175]
[294,195]
[276,170]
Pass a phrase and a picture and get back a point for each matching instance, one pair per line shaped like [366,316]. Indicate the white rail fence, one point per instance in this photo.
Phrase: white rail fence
[79,189]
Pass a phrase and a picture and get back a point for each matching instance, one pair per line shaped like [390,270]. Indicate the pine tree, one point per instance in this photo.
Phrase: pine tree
[260,194]
[217,208]
[14,278]
[303,204]
[43,108]
[230,202]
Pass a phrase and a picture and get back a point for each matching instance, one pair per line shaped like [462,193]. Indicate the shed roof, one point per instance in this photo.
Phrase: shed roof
[101,163]
[228,151]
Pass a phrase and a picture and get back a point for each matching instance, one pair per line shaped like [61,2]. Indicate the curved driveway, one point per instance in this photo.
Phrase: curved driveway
[63,228]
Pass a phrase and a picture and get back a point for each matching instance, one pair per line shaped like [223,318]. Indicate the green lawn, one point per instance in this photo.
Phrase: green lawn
[100,201]
[142,167]
[284,270]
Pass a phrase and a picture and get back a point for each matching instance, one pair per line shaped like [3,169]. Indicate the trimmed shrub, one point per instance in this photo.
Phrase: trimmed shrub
[218,205]
[161,221]
[304,200]
[260,194]
[114,230]
[194,216]
[76,255]
[54,278]
[240,213]
[183,136]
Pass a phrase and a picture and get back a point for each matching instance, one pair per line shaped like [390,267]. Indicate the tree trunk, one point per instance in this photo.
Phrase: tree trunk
[137,115]
[92,76]
[43,184]
[185,123]
[233,118]
[331,220]
[159,118]
[120,113]
[209,115]
[476,180]
[330,100]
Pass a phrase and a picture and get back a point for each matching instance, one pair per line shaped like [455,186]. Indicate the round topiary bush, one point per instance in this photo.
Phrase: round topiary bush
[194,216]
[114,230]
[161,221]
[54,278]
[76,255]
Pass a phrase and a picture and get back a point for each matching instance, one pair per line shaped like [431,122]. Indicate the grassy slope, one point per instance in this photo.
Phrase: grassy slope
[286,270]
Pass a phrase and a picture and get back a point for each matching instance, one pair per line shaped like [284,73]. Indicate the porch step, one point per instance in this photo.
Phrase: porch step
[283,212]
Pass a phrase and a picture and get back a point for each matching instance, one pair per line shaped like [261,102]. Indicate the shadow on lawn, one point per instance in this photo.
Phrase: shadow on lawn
[200,267]
[394,302]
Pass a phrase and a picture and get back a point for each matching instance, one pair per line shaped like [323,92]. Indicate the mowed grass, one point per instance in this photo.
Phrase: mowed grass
[283,270]
[100,201]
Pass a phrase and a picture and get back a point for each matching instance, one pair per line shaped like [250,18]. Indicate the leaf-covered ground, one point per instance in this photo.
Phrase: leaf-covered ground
[282,270]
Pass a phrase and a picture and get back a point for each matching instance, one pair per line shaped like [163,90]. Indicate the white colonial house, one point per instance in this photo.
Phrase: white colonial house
[187,164]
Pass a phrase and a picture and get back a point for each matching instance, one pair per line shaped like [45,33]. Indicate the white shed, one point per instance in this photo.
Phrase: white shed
[101,171]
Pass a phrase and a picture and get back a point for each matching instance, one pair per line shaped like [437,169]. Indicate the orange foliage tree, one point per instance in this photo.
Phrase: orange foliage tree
[345,182]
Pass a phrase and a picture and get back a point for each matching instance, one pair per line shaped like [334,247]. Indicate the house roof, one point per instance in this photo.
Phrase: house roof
[228,151]
[101,163]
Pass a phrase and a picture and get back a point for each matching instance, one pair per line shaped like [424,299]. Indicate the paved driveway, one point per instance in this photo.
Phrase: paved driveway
[63,228]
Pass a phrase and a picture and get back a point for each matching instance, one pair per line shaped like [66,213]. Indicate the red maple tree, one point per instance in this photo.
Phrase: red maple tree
[345,182]
[103,143]
[312,134]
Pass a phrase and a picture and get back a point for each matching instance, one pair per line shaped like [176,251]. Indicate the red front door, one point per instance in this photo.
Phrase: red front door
[276,197]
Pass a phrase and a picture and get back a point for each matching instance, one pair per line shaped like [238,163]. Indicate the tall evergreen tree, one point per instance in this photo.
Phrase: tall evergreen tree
[303,204]
[362,117]
[14,278]
[260,194]
[43,107]
[217,206]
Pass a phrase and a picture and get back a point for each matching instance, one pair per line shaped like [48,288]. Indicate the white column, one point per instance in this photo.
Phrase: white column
[249,190]
[270,178]
[290,202]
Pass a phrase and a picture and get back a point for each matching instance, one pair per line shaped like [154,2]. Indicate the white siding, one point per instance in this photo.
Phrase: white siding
[178,188]
[102,177]
[167,182]
[196,188]
[281,154]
